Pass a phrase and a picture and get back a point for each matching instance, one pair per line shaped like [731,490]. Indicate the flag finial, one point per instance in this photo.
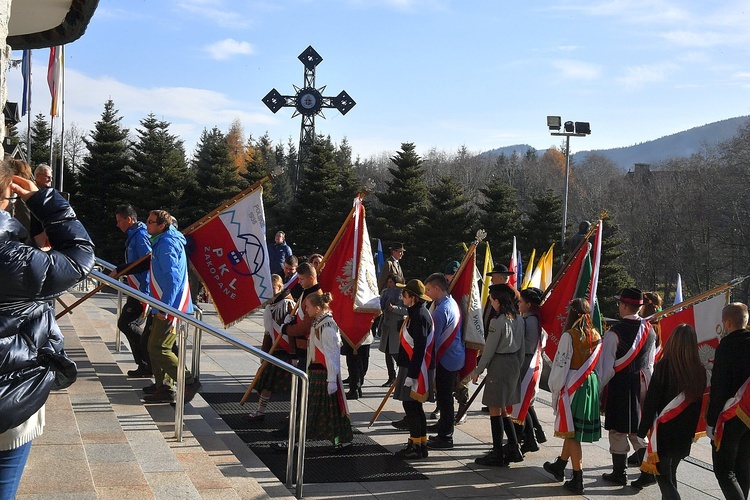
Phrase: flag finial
[480,236]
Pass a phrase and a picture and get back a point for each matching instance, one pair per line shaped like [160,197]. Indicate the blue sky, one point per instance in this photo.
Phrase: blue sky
[439,73]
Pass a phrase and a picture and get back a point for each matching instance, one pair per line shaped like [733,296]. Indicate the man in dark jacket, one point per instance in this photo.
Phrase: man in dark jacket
[731,445]
[278,252]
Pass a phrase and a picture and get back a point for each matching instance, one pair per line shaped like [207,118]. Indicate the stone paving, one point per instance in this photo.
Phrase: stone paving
[451,473]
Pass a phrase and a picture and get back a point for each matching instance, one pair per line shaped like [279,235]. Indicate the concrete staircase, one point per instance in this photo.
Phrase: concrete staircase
[100,441]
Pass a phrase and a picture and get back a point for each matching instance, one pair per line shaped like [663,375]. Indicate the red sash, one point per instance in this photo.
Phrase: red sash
[743,412]
[673,408]
[729,412]
[638,343]
[564,420]
[445,342]
[529,387]
[407,342]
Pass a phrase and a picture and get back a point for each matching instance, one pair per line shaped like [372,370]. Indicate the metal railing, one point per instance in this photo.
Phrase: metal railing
[300,380]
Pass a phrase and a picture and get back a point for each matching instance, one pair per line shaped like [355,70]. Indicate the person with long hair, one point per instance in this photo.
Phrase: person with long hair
[32,358]
[574,385]
[502,357]
[672,406]
[530,308]
[416,368]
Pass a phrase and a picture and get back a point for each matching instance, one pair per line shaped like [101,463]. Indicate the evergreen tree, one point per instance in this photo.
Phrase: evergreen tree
[323,201]
[449,208]
[104,184]
[403,216]
[159,169]
[613,276]
[214,177]
[500,218]
[41,133]
[542,227]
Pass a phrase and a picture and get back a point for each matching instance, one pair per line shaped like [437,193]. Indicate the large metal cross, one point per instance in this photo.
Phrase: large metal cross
[308,102]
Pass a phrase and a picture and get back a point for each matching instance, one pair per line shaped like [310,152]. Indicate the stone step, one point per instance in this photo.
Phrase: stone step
[102,442]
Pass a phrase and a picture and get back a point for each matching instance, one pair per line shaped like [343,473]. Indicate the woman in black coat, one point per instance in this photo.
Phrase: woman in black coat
[32,359]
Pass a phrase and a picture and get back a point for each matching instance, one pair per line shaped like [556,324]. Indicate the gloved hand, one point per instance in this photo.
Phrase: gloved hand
[289,319]
[710,432]
[411,383]
[643,441]
[332,387]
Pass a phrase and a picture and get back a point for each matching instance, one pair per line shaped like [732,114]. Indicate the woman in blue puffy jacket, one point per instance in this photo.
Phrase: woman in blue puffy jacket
[32,360]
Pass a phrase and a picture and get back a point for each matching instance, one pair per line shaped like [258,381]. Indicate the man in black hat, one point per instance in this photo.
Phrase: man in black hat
[498,275]
[625,368]
[391,265]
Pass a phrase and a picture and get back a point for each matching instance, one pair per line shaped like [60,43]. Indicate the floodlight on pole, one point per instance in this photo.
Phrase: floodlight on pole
[571,129]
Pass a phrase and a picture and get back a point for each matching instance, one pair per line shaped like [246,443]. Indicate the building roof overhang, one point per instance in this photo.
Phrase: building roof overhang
[37,24]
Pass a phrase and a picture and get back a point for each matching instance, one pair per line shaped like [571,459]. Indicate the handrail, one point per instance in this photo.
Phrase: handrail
[183,318]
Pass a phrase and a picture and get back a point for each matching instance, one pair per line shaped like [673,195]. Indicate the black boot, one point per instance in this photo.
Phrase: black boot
[529,442]
[519,431]
[513,453]
[495,457]
[557,469]
[423,449]
[411,451]
[538,430]
[644,480]
[618,474]
[576,482]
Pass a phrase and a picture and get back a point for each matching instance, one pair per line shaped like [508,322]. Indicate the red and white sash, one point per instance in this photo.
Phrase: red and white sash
[638,343]
[185,300]
[564,420]
[673,408]
[743,411]
[728,413]
[445,341]
[529,387]
[407,342]
[273,311]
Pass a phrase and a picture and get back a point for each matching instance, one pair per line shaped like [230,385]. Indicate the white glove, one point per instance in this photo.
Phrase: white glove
[642,441]
[333,387]
[288,319]
[710,432]
[411,383]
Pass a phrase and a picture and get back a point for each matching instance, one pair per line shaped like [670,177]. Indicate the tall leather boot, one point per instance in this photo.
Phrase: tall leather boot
[495,456]
[618,474]
[529,442]
[576,482]
[513,453]
[538,430]
[636,459]
[557,469]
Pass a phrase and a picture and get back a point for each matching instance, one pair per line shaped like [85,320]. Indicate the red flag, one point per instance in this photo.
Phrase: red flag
[705,317]
[230,255]
[349,274]
[554,309]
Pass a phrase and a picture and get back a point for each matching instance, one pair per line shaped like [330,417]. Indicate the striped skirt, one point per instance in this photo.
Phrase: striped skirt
[325,417]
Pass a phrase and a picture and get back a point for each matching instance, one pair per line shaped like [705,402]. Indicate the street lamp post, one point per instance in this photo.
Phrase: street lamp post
[570,129]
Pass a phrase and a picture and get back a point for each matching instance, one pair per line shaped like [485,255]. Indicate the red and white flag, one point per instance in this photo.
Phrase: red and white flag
[464,289]
[513,266]
[230,254]
[55,78]
[705,317]
[349,274]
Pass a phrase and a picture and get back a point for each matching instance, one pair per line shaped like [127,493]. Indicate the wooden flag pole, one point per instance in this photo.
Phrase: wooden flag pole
[698,298]
[463,410]
[260,370]
[213,213]
[336,240]
[382,403]
[100,287]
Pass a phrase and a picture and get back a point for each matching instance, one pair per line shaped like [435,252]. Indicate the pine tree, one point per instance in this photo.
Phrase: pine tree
[542,227]
[403,216]
[449,208]
[104,183]
[41,132]
[214,178]
[613,276]
[159,169]
[500,218]
[323,201]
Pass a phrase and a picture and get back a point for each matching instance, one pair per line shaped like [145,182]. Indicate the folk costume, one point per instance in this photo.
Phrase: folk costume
[729,387]
[297,326]
[327,413]
[575,385]
[670,421]
[416,362]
